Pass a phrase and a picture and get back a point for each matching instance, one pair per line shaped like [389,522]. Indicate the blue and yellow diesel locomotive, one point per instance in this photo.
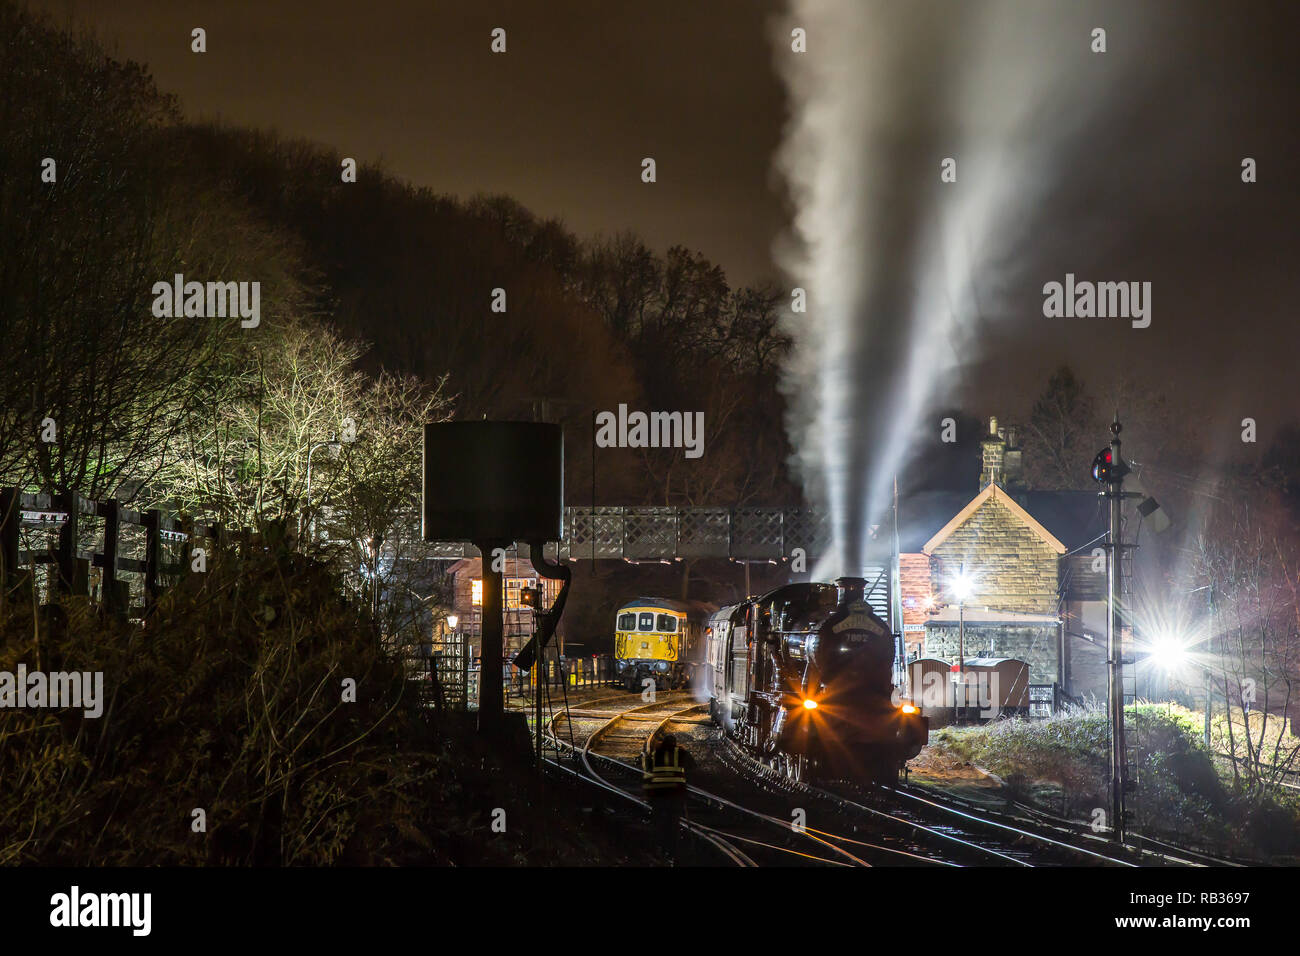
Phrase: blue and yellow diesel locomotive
[657,639]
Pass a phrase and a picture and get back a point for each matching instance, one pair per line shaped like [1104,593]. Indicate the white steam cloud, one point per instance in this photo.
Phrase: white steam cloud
[900,268]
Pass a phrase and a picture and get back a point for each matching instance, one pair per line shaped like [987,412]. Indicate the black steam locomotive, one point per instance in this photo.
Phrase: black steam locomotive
[803,678]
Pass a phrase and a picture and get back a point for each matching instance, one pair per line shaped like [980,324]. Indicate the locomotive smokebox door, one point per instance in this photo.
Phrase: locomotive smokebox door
[493,481]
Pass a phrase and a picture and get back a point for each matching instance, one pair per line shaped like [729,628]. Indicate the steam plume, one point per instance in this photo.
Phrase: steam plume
[900,268]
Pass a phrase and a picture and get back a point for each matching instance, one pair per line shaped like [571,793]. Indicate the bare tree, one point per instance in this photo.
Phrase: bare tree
[1060,434]
[1248,557]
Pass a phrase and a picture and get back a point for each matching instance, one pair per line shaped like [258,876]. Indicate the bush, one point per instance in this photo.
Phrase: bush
[1180,796]
[229,700]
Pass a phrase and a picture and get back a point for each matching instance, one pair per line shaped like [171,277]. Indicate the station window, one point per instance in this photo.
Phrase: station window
[667,624]
[647,622]
[627,622]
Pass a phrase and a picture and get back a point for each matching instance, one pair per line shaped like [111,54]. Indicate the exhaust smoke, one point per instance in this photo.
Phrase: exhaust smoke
[901,268]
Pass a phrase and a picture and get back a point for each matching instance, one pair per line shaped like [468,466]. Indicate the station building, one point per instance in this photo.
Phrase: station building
[467,601]
[1033,573]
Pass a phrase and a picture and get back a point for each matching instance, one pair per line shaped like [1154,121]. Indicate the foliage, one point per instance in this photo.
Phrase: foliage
[1249,562]
[1060,434]
[1180,791]
[230,700]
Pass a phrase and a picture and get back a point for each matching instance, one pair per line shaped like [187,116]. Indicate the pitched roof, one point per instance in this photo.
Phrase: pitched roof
[1074,518]
[994,491]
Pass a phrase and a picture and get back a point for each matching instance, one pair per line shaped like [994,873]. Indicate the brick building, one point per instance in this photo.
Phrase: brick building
[467,600]
[1036,590]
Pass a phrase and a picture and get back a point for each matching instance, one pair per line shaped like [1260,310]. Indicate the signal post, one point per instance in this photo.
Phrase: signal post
[1109,469]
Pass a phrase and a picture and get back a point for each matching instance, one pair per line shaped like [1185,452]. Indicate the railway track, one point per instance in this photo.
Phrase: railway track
[1142,844]
[744,834]
[911,824]
[958,835]
[904,824]
[1141,849]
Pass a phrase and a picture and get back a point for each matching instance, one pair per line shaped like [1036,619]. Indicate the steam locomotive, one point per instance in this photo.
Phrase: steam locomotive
[803,677]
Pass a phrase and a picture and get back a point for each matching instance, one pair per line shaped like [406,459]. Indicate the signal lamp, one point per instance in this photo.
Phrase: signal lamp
[1105,469]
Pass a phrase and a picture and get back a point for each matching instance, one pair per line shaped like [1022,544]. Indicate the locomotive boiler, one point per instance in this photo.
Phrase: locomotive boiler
[803,678]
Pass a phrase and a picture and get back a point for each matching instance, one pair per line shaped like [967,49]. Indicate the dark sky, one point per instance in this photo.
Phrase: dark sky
[561,121]
[1151,189]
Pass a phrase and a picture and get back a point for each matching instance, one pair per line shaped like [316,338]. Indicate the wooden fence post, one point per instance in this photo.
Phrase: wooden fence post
[152,556]
[68,502]
[110,511]
[10,518]
[187,526]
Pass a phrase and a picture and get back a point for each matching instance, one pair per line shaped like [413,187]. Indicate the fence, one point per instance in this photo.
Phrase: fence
[168,545]
[456,678]
[591,671]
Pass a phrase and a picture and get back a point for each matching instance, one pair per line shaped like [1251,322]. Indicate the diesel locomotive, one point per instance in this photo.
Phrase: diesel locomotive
[803,678]
[657,639]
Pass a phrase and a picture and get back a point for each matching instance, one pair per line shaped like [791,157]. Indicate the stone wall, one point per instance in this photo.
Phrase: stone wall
[1035,644]
[1085,654]
[1085,575]
[1087,674]
[1011,567]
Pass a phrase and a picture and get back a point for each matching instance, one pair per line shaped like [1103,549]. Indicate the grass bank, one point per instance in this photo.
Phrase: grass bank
[1185,792]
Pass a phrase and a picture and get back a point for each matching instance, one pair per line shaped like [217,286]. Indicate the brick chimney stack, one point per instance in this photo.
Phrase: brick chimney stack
[1000,457]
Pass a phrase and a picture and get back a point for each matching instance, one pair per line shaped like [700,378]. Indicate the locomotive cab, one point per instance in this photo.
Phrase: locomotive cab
[658,640]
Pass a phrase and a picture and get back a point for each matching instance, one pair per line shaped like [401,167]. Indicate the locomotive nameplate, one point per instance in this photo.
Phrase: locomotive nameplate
[861,618]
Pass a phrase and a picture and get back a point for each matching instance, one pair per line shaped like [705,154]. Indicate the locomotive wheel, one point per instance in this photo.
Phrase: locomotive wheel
[795,767]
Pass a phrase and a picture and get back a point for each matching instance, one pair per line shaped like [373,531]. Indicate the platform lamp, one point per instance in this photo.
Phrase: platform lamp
[962,586]
[335,448]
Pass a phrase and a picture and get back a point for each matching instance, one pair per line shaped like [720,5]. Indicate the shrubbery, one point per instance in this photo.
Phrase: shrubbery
[231,700]
[1180,792]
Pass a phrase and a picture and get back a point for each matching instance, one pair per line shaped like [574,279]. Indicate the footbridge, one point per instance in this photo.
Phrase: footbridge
[674,533]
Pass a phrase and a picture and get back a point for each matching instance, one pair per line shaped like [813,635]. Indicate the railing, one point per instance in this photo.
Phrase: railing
[168,545]
[555,675]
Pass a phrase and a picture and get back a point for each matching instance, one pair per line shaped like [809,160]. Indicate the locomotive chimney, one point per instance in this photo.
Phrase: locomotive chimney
[851,590]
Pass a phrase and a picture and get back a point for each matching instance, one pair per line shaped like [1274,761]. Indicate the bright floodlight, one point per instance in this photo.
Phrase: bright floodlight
[962,586]
[1167,652]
